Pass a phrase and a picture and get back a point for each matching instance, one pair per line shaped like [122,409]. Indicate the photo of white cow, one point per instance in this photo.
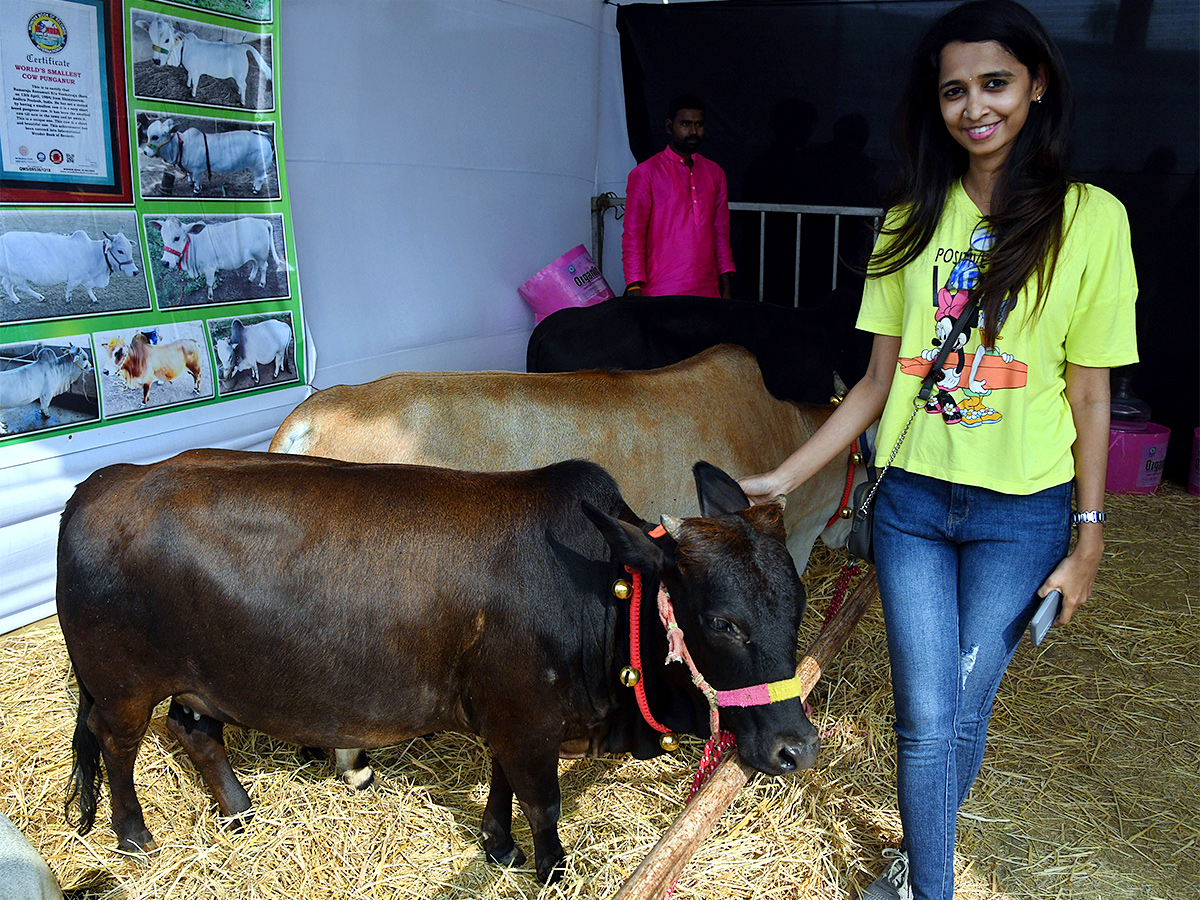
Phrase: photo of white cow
[46,385]
[205,158]
[217,259]
[63,263]
[194,62]
[254,351]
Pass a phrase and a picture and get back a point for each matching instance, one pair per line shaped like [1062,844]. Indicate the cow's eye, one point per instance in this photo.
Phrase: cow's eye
[724,626]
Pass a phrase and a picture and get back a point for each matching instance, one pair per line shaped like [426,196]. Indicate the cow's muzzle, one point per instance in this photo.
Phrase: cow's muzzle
[795,754]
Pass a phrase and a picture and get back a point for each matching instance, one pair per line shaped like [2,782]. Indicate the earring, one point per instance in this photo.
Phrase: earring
[1038,100]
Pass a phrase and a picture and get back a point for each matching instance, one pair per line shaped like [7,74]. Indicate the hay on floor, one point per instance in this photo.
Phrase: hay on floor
[1088,789]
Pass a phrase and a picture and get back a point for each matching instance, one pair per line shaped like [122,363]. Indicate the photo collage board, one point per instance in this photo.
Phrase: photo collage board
[147,261]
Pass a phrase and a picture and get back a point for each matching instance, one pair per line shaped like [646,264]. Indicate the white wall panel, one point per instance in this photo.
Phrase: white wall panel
[436,171]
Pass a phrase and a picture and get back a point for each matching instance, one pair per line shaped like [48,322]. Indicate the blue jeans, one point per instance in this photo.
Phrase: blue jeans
[959,568]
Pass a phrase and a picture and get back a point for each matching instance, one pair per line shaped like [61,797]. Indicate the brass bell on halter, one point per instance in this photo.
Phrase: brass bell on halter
[845,512]
[835,399]
[622,589]
[669,742]
[630,676]
[856,458]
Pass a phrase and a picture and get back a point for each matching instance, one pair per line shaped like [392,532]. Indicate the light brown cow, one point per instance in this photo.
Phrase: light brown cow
[140,362]
[646,428]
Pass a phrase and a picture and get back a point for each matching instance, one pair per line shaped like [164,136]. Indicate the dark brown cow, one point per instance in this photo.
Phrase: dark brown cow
[336,604]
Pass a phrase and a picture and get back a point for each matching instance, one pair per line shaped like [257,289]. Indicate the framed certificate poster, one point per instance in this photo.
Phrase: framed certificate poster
[62,137]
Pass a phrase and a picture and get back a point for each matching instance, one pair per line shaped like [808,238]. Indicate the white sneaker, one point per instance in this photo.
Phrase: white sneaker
[893,883]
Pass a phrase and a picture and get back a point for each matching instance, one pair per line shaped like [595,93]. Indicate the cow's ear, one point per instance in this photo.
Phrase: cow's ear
[142,23]
[169,124]
[156,223]
[718,493]
[629,544]
[195,227]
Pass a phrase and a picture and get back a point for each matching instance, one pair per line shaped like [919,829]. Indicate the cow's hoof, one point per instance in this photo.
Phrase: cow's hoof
[312,754]
[511,857]
[239,820]
[141,843]
[359,779]
[552,872]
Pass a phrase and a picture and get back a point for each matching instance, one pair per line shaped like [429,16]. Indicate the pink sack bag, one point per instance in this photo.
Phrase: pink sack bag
[571,280]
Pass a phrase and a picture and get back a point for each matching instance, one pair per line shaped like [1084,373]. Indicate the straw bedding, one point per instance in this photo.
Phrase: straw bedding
[1088,789]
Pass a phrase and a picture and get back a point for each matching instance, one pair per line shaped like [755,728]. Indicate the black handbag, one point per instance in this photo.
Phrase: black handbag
[860,543]
[862,523]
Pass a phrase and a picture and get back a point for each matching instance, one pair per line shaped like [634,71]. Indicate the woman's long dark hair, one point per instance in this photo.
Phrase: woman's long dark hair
[1028,201]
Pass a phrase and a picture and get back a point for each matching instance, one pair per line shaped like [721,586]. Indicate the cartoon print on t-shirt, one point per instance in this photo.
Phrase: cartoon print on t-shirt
[951,301]
[976,374]
[974,408]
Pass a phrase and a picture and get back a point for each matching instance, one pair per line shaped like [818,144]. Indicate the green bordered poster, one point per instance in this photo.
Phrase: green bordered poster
[146,254]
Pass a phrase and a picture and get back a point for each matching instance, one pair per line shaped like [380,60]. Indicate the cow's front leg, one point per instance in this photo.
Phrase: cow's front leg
[533,775]
[203,738]
[496,828]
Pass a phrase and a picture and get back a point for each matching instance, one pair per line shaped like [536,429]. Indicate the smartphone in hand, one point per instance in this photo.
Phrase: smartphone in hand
[1046,613]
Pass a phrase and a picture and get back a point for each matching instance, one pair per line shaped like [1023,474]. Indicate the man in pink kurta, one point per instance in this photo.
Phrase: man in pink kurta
[676,238]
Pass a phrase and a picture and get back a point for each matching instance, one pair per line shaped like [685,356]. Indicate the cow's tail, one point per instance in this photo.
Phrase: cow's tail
[262,64]
[86,777]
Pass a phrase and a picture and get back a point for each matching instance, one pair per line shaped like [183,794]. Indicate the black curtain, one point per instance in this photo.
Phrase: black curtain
[800,97]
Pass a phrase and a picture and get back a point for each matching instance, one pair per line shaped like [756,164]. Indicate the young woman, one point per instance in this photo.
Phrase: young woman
[973,521]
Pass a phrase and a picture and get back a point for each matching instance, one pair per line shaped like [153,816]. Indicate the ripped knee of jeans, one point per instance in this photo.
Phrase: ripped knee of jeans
[966,663]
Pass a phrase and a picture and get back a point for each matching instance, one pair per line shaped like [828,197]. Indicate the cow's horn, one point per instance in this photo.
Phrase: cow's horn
[673,524]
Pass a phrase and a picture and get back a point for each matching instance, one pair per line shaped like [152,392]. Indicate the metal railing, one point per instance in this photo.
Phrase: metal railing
[605,202]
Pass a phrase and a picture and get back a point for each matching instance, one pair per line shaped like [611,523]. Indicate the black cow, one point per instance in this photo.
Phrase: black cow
[337,604]
[798,350]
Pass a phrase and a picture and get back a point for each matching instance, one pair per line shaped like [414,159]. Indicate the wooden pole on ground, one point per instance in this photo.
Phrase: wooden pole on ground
[663,865]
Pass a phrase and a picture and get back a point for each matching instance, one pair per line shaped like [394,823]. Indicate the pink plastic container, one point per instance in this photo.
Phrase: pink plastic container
[571,280]
[1135,459]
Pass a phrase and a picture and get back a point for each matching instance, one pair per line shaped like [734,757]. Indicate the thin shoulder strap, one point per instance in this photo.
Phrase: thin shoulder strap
[947,345]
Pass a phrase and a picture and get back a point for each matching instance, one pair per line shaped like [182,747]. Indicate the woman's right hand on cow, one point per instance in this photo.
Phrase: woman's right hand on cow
[762,488]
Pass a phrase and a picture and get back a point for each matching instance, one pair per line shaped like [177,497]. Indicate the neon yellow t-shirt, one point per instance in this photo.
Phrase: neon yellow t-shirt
[1000,419]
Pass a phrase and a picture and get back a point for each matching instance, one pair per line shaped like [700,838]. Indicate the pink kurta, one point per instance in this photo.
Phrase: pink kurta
[676,236]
